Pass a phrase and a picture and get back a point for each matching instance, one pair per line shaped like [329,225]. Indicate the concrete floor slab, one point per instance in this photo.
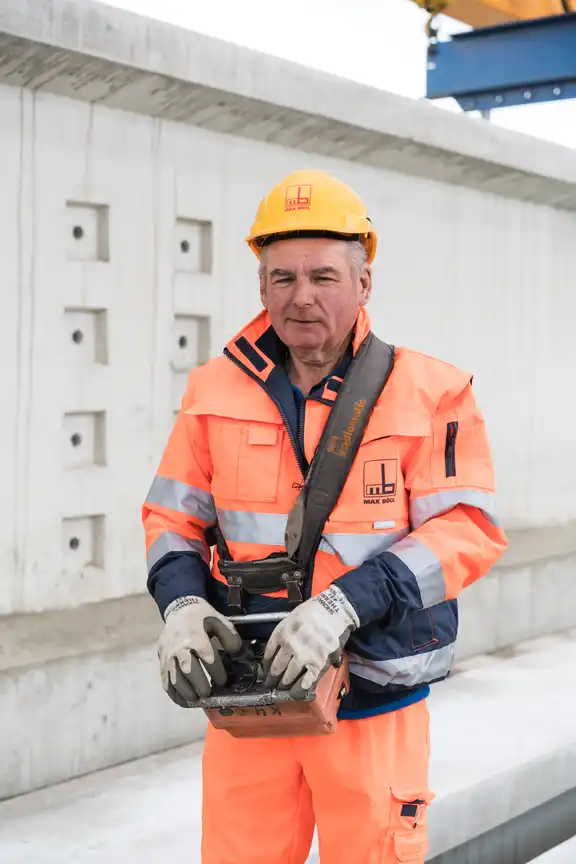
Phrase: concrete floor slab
[563,854]
[503,736]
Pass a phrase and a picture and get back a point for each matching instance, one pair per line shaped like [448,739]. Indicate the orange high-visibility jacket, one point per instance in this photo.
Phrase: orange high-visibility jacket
[414,525]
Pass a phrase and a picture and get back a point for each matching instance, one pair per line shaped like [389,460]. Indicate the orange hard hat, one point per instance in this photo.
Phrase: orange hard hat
[312,203]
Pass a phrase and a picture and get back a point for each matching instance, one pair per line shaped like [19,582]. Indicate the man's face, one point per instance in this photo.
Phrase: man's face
[313,289]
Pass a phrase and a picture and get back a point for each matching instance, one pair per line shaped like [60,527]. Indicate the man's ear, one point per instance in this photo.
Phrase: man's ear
[263,292]
[366,283]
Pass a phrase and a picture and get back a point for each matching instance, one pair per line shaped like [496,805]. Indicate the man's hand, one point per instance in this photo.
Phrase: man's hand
[186,649]
[309,640]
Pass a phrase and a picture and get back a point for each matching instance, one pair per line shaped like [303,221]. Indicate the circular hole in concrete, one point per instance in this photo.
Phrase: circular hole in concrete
[182,342]
[184,246]
[76,439]
[74,543]
[77,336]
[77,232]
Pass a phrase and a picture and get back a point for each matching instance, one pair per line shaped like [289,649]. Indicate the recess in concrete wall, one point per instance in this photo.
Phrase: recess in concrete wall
[83,439]
[87,339]
[192,343]
[190,332]
[193,246]
[84,432]
[83,542]
[88,236]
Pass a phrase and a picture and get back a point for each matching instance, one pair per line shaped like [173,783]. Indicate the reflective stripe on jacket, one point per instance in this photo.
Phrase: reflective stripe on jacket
[414,525]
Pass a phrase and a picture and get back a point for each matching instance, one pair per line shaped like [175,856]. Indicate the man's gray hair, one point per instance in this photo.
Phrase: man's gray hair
[358,255]
[356,249]
[263,262]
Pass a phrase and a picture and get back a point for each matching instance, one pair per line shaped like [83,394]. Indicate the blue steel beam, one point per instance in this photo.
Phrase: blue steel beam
[511,64]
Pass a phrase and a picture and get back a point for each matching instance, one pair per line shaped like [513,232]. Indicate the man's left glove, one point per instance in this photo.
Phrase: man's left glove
[309,640]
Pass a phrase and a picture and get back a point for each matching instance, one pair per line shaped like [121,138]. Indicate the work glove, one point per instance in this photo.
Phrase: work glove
[308,641]
[187,649]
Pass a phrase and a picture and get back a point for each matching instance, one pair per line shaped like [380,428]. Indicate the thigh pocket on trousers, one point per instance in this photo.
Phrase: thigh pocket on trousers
[408,825]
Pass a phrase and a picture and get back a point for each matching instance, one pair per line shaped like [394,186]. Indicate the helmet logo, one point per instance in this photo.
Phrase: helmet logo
[298,198]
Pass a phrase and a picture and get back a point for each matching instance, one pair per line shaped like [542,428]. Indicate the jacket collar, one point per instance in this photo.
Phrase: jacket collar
[259,351]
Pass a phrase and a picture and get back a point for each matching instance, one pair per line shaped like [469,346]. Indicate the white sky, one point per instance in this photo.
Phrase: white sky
[375,42]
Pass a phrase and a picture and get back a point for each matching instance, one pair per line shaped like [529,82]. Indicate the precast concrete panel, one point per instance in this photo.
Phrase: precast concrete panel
[116,265]
[138,271]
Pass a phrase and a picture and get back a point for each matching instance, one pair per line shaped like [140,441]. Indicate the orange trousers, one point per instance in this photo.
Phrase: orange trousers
[365,787]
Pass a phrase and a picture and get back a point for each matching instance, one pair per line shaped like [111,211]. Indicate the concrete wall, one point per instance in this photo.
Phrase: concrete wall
[121,228]
[481,281]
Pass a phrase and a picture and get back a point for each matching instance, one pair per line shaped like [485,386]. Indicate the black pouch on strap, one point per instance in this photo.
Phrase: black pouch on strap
[265,576]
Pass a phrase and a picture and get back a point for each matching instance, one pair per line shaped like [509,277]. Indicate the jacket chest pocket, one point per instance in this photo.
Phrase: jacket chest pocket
[246,460]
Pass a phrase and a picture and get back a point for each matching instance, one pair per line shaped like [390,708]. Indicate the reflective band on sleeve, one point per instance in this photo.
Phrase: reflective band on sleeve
[428,506]
[425,566]
[169,541]
[412,671]
[354,549]
[175,495]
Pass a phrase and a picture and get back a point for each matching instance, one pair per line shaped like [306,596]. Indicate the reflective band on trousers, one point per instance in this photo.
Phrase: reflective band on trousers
[169,541]
[183,498]
[428,506]
[267,529]
[405,671]
[425,566]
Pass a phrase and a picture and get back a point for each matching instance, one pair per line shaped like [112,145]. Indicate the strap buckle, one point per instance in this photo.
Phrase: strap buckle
[235,594]
[293,583]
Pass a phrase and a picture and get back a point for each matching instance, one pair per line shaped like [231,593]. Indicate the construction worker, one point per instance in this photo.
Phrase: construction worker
[413,526]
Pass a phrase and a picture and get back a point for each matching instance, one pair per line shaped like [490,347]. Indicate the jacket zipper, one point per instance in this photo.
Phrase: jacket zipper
[278,404]
[450,451]
[301,410]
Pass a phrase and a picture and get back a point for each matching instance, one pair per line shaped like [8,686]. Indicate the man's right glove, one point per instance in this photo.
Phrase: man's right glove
[186,646]
[308,641]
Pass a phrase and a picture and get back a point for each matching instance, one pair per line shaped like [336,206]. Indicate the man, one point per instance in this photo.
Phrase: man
[413,526]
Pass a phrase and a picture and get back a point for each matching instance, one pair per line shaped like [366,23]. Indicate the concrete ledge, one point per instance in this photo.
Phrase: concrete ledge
[42,637]
[67,718]
[504,739]
[88,51]
[564,854]
[499,751]
[516,602]
[519,840]
[532,545]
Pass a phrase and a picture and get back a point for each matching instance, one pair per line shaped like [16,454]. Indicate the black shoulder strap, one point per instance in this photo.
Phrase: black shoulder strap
[364,381]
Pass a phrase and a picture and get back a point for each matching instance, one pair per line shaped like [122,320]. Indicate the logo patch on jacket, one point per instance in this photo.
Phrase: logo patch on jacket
[380,479]
[298,198]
